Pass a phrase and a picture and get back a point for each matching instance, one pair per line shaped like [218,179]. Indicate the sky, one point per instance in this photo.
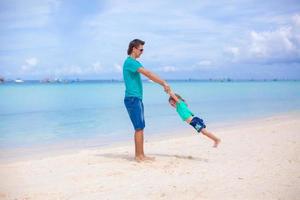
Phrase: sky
[238,39]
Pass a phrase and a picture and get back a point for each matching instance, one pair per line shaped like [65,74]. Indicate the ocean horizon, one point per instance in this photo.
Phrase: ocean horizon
[74,80]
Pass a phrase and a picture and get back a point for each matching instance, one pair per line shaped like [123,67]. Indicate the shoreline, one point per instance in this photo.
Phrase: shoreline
[17,154]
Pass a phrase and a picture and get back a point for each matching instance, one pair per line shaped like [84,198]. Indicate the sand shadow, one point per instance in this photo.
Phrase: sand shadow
[117,156]
[181,157]
[131,158]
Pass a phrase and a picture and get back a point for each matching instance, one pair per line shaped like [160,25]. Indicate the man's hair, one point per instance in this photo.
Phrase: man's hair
[134,43]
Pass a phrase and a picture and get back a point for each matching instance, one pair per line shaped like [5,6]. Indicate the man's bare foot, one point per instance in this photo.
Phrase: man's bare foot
[147,158]
[216,143]
[144,158]
[138,159]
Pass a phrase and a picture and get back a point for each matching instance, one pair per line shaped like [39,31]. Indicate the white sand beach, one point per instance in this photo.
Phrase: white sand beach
[258,159]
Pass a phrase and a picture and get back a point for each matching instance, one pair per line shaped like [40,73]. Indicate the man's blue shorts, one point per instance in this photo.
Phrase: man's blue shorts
[198,124]
[135,109]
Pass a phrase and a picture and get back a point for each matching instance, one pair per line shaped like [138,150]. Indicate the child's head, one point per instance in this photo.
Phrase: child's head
[172,100]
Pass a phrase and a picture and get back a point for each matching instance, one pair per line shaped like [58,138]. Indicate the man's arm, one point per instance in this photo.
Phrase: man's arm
[154,78]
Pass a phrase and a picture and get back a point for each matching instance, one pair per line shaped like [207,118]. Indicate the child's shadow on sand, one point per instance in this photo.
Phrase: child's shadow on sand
[131,158]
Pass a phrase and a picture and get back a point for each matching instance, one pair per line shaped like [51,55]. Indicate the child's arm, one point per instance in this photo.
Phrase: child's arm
[171,93]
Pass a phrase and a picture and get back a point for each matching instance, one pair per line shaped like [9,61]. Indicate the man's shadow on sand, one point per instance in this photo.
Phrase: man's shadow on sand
[157,155]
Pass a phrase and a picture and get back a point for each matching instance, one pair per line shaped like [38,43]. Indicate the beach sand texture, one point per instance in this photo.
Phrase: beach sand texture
[258,159]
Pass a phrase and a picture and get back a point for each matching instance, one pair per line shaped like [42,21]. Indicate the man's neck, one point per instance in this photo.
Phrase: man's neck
[133,56]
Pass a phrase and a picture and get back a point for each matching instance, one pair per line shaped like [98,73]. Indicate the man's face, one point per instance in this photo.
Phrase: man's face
[138,50]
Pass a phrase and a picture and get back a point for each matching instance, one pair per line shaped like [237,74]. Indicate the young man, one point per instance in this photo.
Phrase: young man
[134,94]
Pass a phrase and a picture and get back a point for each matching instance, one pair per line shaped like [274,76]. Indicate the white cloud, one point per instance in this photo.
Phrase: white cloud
[97,67]
[281,44]
[26,26]
[30,63]
[296,20]
[75,70]
[27,14]
[233,51]
[67,70]
[168,69]
[272,43]
[178,35]
[25,67]
[118,68]
[201,65]
[204,63]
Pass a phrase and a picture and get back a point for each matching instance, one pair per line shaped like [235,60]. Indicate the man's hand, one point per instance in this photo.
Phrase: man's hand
[166,88]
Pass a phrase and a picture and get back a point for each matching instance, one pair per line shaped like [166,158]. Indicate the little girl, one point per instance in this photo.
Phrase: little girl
[186,115]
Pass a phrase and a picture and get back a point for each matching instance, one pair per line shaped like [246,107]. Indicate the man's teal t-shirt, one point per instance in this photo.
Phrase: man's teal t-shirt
[183,111]
[132,78]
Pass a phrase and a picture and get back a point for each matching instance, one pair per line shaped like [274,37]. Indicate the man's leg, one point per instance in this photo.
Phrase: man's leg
[139,147]
[139,143]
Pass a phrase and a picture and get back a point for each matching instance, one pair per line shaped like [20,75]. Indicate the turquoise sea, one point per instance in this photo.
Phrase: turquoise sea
[93,113]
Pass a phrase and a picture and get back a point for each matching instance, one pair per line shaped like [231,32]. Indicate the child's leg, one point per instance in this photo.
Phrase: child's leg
[211,136]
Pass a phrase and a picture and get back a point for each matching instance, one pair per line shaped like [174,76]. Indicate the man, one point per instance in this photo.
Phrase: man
[134,94]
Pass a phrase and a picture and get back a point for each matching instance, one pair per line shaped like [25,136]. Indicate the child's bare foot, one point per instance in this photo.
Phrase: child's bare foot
[217,141]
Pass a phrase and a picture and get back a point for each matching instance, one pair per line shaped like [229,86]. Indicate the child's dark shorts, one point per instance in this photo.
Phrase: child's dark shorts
[198,124]
[135,109]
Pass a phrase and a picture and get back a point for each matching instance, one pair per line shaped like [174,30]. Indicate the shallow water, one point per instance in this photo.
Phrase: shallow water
[40,114]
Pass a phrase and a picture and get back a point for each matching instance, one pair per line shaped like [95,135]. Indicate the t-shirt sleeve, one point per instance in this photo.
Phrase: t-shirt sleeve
[134,66]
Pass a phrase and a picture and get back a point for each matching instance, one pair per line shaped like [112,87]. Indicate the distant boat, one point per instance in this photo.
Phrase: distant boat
[46,80]
[19,81]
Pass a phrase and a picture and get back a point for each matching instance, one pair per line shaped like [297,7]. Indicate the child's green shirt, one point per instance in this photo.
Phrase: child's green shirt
[183,111]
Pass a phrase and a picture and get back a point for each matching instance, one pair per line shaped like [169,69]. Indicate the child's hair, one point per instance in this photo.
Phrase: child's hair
[178,96]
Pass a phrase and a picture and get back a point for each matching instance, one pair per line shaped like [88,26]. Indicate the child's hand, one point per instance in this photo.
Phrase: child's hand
[172,94]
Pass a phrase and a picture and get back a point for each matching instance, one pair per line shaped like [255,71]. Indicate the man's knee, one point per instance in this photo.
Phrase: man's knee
[139,131]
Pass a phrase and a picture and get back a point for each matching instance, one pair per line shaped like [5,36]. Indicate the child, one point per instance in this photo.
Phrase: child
[186,115]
